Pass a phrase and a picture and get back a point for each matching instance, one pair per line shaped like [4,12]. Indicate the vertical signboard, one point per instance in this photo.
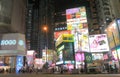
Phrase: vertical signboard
[30,57]
[77,23]
[19,63]
[113,34]
[88,57]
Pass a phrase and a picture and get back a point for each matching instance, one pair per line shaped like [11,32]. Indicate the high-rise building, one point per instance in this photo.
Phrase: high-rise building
[92,16]
[12,16]
[12,27]
[40,13]
[94,27]
[107,11]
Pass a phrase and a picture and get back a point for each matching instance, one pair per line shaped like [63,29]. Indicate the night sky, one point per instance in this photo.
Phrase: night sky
[62,5]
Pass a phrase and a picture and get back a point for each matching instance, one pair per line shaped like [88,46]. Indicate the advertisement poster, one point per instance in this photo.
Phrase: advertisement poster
[98,43]
[81,42]
[116,54]
[76,17]
[57,34]
[19,63]
[79,57]
[97,56]
[77,23]
[113,34]
[30,57]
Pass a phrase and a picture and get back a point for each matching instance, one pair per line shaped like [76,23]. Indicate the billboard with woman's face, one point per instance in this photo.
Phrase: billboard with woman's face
[98,43]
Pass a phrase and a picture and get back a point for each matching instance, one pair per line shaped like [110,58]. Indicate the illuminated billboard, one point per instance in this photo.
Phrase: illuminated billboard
[64,38]
[30,57]
[60,53]
[113,34]
[79,57]
[19,63]
[77,23]
[116,54]
[98,43]
[81,41]
[65,52]
[76,18]
[97,56]
[12,44]
[57,34]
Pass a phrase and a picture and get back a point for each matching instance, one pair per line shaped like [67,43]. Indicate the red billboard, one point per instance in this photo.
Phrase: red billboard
[57,34]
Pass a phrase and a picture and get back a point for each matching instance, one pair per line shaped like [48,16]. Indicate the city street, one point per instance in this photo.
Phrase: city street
[59,75]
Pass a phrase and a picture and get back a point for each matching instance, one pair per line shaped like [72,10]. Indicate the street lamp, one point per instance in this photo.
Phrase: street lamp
[46,45]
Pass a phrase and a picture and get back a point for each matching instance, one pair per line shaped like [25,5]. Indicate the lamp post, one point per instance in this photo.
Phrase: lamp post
[46,45]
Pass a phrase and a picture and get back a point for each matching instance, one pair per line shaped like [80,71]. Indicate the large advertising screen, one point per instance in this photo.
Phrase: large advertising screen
[77,23]
[113,34]
[12,44]
[76,17]
[98,43]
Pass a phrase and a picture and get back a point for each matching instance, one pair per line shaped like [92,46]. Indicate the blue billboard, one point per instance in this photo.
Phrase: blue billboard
[19,63]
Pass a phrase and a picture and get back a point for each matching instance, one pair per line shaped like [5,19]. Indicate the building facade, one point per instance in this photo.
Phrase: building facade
[12,16]
[107,11]
[12,23]
[40,14]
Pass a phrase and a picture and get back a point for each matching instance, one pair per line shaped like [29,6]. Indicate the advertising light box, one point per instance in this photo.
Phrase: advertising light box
[113,34]
[12,44]
[97,56]
[79,57]
[19,63]
[98,43]
[77,23]
[116,54]
[81,43]
[30,57]
[57,34]
[76,17]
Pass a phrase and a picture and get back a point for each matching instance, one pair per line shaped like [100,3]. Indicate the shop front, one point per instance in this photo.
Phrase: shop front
[12,50]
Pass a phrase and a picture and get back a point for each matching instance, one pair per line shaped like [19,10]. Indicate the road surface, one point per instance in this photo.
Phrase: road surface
[59,75]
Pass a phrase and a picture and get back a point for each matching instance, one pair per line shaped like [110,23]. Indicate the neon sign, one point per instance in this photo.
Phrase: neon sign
[8,42]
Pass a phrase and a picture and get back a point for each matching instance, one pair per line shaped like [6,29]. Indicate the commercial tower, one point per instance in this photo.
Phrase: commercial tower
[12,29]
[40,13]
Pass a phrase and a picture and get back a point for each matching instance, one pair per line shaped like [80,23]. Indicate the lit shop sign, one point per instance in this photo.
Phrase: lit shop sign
[11,42]
[62,47]
[8,42]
